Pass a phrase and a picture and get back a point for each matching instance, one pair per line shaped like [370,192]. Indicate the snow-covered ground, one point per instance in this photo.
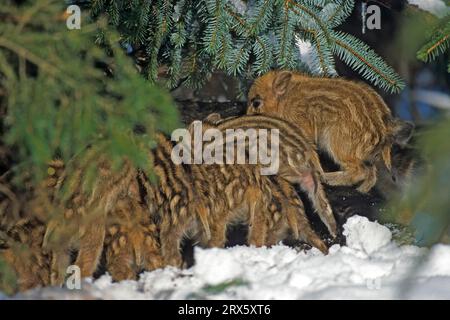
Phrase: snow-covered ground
[370,266]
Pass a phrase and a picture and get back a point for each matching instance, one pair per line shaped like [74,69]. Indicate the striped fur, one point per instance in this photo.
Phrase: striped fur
[299,162]
[132,241]
[348,120]
[79,223]
[196,197]
[269,205]
[22,250]
[187,199]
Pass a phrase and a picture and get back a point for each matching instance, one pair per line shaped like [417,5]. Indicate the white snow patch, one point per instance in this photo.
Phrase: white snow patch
[309,56]
[436,7]
[371,266]
[207,269]
[364,236]
[437,262]
[306,53]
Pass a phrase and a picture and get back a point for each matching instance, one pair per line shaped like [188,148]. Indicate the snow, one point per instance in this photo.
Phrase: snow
[366,237]
[370,266]
[309,56]
[437,7]
[305,47]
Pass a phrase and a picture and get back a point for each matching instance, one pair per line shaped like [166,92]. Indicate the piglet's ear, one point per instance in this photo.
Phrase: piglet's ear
[281,82]
[403,132]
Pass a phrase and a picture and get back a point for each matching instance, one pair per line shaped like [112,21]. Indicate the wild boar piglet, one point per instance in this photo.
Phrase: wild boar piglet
[346,119]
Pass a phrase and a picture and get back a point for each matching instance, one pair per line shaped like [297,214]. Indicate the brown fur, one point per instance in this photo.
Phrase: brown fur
[40,253]
[270,206]
[132,242]
[116,207]
[294,213]
[299,162]
[24,254]
[349,120]
[131,211]
[21,236]
[79,223]
[195,197]
[187,199]
[180,209]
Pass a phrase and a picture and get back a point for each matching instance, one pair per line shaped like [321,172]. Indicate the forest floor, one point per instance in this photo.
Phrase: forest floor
[370,266]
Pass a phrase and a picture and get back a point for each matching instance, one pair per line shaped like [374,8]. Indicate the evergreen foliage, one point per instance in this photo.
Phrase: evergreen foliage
[66,96]
[438,43]
[426,205]
[62,96]
[244,38]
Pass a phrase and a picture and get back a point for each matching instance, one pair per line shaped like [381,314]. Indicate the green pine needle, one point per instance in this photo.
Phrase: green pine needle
[253,36]
[438,44]
[361,58]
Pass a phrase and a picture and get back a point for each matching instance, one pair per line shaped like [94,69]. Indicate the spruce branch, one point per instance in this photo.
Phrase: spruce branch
[438,44]
[260,34]
[70,105]
[35,59]
[337,11]
[309,13]
[325,60]
[261,19]
[361,58]
[263,54]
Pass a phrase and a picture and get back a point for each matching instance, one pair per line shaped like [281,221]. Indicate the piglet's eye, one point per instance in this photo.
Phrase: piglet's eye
[256,103]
